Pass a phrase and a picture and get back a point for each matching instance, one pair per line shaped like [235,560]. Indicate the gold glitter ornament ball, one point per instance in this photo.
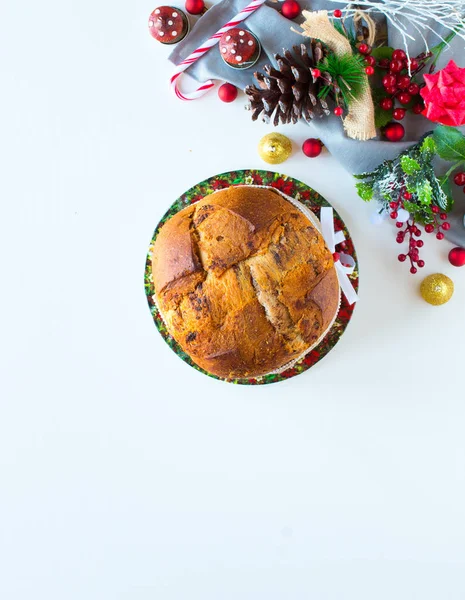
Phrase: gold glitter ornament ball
[274,148]
[437,289]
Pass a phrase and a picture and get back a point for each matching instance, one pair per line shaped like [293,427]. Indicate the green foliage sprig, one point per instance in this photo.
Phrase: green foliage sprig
[347,73]
[413,172]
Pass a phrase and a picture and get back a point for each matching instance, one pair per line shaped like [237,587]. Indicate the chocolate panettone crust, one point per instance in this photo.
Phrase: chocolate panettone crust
[244,282]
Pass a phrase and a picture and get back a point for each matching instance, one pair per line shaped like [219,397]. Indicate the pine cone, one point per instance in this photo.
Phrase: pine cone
[291,92]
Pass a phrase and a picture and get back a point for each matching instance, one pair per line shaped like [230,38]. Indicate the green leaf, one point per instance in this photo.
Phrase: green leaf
[450,143]
[409,165]
[365,191]
[410,206]
[428,148]
[424,191]
[382,52]
[382,117]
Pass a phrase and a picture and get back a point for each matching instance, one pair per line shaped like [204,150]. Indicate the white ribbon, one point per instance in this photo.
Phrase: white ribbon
[346,264]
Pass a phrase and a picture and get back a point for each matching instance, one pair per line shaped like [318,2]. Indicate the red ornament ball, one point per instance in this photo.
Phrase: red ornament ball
[337,13]
[457,257]
[195,7]
[364,49]
[291,9]
[312,147]
[399,55]
[394,132]
[459,178]
[227,92]
[404,98]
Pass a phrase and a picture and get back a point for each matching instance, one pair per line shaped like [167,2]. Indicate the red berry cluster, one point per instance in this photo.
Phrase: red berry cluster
[412,231]
[398,84]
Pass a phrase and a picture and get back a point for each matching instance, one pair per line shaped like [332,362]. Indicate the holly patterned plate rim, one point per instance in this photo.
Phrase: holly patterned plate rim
[290,187]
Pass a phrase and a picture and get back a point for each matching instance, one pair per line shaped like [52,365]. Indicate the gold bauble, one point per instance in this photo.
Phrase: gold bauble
[437,289]
[274,148]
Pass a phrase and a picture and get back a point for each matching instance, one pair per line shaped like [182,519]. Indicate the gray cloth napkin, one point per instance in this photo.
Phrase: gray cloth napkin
[274,33]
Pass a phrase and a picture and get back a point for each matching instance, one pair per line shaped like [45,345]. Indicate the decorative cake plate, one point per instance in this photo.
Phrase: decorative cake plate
[290,187]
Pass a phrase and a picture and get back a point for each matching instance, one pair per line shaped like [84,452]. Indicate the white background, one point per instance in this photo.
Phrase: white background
[124,473]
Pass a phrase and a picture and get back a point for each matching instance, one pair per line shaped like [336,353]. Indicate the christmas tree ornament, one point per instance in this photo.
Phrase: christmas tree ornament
[239,48]
[227,92]
[457,257]
[290,9]
[312,147]
[274,148]
[293,90]
[437,289]
[195,7]
[394,132]
[168,24]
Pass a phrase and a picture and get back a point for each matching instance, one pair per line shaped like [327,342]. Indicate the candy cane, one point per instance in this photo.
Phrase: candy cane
[212,41]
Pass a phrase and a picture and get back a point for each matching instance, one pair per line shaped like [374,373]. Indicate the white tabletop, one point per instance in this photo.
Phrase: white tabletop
[124,473]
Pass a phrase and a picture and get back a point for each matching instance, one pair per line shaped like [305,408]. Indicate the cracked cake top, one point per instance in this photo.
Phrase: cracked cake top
[244,282]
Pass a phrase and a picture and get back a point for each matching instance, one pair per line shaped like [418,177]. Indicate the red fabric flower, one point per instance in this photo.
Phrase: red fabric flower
[444,96]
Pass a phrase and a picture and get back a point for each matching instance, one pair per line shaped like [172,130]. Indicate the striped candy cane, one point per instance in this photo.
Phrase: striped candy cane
[212,41]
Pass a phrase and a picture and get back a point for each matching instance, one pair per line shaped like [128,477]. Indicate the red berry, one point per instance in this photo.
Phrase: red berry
[195,7]
[418,108]
[399,225]
[417,232]
[459,178]
[440,235]
[446,226]
[435,209]
[421,263]
[420,243]
[402,257]
[391,90]
[413,89]
[336,256]
[227,92]
[429,228]
[337,13]
[338,111]
[404,98]
[290,9]
[443,216]
[396,66]
[457,257]
[394,132]
[406,195]
[369,71]
[403,81]
[387,104]
[389,80]
[312,147]
[413,270]
[394,214]
[413,243]
[364,49]
[370,60]
[317,73]
[413,64]
[384,63]
[393,205]
[399,55]
[399,114]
